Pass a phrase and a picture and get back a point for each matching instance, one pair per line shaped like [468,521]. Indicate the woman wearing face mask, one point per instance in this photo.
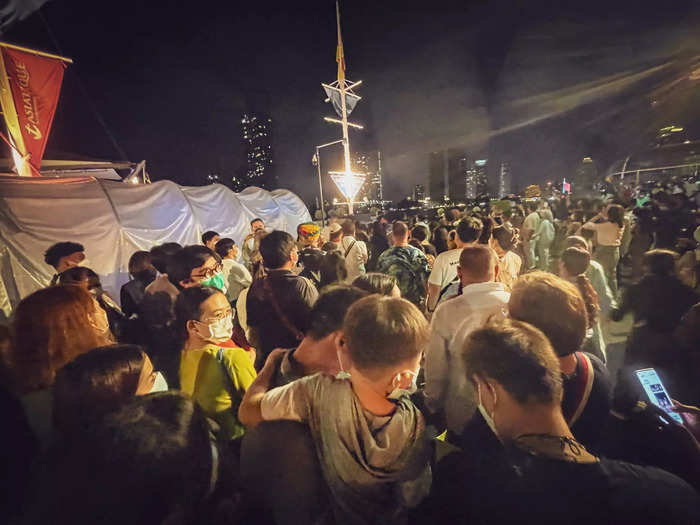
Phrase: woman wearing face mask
[215,377]
[101,381]
[49,329]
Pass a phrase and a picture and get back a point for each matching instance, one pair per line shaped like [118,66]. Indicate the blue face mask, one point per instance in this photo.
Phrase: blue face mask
[217,281]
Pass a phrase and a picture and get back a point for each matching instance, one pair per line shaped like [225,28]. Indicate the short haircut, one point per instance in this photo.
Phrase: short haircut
[208,236]
[419,232]
[257,219]
[660,262]
[94,384]
[375,282]
[399,229]
[469,229]
[183,262]
[160,255]
[276,249]
[223,246]
[384,332]
[576,260]
[59,250]
[575,241]
[553,305]
[333,268]
[139,261]
[477,261]
[329,310]
[519,357]
[486,231]
[348,228]
[188,307]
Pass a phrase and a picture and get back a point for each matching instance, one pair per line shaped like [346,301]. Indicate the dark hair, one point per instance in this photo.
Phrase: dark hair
[94,384]
[378,229]
[160,255]
[257,219]
[505,237]
[183,262]
[330,246]
[78,274]
[375,282]
[553,305]
[224,245]
[440,239]
[419,232]
[519,357]
[208,236]
[152,461]
[384,331]
[616,214]
[333,268]
[188,307]
[348,228]
[486,231]
[329,310]
[660,262]
[576,261]
[276,249]
[469,229]
[139,261]
[56,252]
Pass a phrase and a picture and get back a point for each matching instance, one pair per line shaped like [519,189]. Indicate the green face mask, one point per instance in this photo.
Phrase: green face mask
[217,281]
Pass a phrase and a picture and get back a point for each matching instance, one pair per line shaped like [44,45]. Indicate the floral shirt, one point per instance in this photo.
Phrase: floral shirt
[410,268]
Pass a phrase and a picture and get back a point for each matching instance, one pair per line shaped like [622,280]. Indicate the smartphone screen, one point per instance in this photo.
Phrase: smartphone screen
[656,392]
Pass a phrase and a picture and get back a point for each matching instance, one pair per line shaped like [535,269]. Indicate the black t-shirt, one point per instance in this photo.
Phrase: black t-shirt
[587,427]
[520,488]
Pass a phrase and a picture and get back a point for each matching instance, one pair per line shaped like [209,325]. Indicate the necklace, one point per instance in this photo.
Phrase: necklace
[556,447]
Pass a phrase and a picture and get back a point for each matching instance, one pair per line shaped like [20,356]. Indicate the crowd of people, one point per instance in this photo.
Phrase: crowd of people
[453,367]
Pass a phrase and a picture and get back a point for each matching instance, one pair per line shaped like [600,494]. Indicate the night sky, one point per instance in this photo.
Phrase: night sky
[547,84]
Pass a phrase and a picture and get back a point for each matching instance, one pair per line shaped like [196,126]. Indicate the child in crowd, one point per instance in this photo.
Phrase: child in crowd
[369,437]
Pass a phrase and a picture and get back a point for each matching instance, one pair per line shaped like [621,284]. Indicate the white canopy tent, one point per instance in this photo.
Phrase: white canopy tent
[112,220]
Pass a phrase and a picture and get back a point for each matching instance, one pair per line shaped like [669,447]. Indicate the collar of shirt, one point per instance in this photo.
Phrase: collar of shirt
[486,287]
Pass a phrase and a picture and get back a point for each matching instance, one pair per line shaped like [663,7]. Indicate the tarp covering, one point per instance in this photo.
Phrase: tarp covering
[112,220]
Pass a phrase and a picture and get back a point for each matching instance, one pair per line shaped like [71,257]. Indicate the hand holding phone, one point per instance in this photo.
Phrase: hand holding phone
[656,392]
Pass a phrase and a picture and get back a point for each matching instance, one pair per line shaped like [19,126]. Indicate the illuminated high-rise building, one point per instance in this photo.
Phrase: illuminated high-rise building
[418,193]
[504,180]
[257,137]
[369,164]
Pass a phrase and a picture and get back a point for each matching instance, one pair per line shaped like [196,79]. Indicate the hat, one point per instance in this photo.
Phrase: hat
[309,231]
[334,228]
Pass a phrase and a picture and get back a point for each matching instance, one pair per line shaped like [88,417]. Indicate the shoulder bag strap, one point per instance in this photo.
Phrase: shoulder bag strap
[275,305]
[584,385]
[228,382]
[347,252]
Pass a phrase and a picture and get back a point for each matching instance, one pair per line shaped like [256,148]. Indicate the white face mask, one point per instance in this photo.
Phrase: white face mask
[159,384]
[487,417]
[398,392]
[217,331]
[342,374]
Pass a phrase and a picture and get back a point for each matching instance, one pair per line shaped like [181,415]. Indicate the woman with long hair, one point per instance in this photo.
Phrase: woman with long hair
[503,241]
[572,266]
[50,328]
[609,227]
[215,376]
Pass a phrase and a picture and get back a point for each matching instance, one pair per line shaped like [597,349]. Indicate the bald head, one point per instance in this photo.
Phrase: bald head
[477,264]
[399,231]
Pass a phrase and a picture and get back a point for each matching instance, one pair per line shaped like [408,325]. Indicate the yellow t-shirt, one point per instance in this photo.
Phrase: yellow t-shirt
[202,377]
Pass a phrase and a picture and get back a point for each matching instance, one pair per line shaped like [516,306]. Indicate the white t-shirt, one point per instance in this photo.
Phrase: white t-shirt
[357,257]
[445,268]
[237,278]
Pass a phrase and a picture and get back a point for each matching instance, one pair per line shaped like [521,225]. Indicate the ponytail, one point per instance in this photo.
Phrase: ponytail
[590,297]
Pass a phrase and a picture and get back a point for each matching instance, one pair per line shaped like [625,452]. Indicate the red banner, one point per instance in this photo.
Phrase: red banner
[35,82]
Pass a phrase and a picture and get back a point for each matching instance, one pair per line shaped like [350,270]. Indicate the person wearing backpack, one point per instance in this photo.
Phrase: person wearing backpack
[407,264]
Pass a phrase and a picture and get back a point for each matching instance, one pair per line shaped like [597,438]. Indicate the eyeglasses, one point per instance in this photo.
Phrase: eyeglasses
[209,272]
[221,315]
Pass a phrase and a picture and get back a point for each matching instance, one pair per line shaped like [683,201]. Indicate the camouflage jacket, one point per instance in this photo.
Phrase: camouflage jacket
[410,268]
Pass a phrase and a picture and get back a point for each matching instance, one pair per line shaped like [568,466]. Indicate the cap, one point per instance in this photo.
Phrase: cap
[335,228]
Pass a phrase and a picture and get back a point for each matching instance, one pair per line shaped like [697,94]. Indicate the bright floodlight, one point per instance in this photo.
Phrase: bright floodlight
[348,183]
